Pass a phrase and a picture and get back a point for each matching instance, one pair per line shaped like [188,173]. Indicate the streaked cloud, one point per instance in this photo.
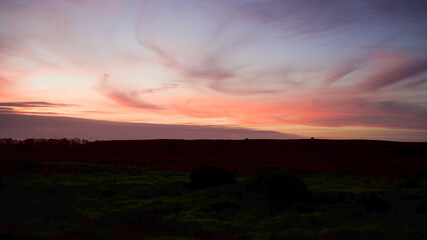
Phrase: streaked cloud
[7,110]
[32,104]
[395,68]
[54,127]
[315,17]
[124,98]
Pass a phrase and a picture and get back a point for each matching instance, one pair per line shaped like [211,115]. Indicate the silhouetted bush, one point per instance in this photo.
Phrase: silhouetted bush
[334,197]
[219,206]
[11,236]
[280,188]
[372,203]
[108,193]
[421,174]
[211,176]
[52,191]
[422,208]
[409,184]
[31,164]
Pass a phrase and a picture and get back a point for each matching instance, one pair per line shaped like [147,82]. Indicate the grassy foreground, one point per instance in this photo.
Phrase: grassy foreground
[103,202]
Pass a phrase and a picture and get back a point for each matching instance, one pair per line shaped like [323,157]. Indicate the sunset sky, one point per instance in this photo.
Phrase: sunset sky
[104,69]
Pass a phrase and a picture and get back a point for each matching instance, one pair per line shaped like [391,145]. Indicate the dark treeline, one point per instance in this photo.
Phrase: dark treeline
[43,141]
[377,158]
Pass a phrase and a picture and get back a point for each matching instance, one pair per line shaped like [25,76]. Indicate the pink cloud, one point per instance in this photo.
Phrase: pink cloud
[124,98]
[359,112]
[342,70]
[390,69]
[326,112]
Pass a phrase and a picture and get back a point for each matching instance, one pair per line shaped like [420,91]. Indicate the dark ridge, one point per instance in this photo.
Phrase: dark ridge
[241,157]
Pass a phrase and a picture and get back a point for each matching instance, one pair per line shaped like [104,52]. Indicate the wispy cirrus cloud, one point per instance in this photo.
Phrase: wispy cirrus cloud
[394,68]
[206,67]
[381,68]
[124,98]
[206,61]
[343,69]
[336,99]
[315,17]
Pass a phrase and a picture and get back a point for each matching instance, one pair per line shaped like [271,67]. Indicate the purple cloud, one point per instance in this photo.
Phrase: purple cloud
[312,16]
[27,126]
[394,70]
[208,66]
[32,104]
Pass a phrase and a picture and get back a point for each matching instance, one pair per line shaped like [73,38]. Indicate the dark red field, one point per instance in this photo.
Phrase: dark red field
[242,157]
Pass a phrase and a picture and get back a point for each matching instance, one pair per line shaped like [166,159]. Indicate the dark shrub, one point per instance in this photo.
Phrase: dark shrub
[211,176]
[421,174]
[409,184]
[334,197]
[219,206]
[422,208]
[52,191]
[10,236]
[280,188]
[31,164]
[371,202]
[108,193]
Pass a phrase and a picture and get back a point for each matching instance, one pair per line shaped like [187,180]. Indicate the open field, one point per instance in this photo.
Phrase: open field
[67,199]
[373,158]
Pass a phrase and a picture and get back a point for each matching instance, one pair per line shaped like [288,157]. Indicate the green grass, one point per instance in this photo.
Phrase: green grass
[356,184]
[144,198]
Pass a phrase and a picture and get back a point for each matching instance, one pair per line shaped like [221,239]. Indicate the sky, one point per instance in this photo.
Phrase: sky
[127,69]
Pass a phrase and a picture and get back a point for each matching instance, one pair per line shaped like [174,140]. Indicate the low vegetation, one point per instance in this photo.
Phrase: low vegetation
[109,202]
